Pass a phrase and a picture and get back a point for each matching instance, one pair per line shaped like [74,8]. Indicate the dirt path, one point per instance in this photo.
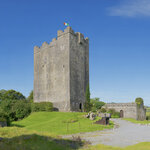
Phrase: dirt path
[126,134]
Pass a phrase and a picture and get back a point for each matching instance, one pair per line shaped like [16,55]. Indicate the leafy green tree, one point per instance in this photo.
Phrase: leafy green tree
[30,97]
[22,109]
[13,95]
[139,101]
[96,104]
[87,105]
[2,92]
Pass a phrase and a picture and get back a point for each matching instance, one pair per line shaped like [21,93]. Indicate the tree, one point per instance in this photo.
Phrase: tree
[30,97]
[13,95]
[2,92]
[96,104]
[139,101]
[87,105]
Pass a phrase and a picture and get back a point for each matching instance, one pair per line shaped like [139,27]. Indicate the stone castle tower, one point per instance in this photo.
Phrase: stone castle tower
[61,71]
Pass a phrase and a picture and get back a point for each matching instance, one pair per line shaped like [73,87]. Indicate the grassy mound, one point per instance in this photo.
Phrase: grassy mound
[59,123]
[140,146]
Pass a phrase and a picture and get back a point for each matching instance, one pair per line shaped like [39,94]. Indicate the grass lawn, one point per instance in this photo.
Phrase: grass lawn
[23,139]
[137,121]
[140,146]
[16,138]
[59,123]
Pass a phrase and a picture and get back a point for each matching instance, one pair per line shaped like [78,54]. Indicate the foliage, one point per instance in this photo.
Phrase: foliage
[139,101]
[42,106]
[60,123]
[3,119]
[2,92]
[103,110]
[30,97]
[111,111]
[22,109]
[87,105]
[115,115]
[96,104]
[14,109]
[12,95]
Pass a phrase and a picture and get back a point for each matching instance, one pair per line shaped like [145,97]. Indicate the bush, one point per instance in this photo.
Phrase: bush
[30,97]
[139,101]
[115,115]
[42,106]
[13,110]
[111,111]
[102,110]
[96,104]
[22,109]
[147,117]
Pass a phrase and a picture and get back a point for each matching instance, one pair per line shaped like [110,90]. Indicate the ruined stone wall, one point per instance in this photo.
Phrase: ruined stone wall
[61,70]
[129,109]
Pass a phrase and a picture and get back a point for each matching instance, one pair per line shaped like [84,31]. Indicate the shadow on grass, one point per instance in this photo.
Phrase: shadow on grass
[16,125]
[38,142]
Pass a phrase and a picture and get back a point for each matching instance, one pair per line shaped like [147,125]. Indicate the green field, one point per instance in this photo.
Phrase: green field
[42,130]
[137,121]
[140,146]
[60,123]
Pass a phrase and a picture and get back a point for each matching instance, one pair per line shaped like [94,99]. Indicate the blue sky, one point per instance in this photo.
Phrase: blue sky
[119,33]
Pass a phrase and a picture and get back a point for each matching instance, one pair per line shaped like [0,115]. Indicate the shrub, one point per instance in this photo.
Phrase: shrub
[102,110]
[115,115]
[30,97]
[147,117]
[3,119]
[96,104]
[111,111]
[139,101]
[13,110]
[87,104]
[22,109]
[42,106]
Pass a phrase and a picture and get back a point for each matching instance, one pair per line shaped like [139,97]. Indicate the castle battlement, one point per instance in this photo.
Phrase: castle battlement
[79,38]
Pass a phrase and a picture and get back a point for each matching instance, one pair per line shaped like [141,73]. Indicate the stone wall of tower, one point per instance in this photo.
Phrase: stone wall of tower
[79,70]
[51,72]
[61,71]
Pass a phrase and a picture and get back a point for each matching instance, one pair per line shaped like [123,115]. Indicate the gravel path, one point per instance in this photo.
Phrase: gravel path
[126,134]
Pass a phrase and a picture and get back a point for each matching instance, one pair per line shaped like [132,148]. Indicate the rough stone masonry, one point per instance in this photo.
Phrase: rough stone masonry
[61,71]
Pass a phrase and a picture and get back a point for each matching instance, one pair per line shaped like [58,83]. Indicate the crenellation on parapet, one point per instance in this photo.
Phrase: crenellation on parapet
[44,44]
[69,29]
[79,38]
[36,49]
[59,33]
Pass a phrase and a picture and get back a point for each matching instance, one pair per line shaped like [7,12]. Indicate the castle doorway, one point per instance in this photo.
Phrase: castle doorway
[80,106]
[121,113]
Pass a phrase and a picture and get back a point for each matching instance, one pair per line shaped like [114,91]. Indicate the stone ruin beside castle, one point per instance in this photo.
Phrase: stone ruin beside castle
[128,110]
[61,71]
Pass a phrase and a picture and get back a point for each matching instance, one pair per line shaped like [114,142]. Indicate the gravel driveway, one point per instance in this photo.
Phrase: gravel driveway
[126,134]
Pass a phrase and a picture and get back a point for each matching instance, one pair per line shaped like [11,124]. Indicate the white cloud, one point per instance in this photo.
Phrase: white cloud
[131,8]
